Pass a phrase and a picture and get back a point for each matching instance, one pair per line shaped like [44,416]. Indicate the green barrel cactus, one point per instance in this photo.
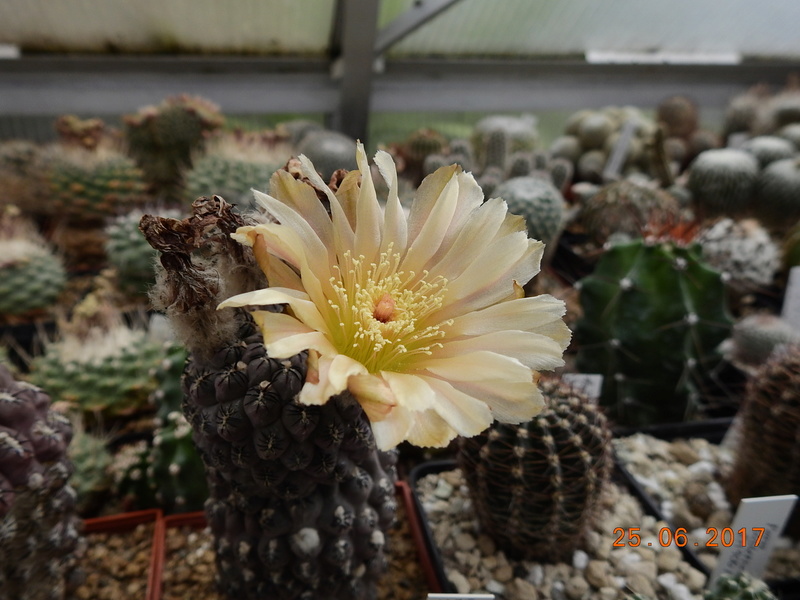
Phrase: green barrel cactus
[165,139]
[777,193]
[769,148]
[515,134]
[38,525]
[653,316]
[329,151]
[91,459]
[536,486]
[31,276]
[167,471]
[722,182]
[539,202]
[88,186]
[235,164]
[104,373]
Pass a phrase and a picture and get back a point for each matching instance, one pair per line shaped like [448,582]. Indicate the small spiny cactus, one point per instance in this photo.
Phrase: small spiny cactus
[535,486]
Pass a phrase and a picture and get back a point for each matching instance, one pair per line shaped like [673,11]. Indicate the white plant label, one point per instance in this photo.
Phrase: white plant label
[590,384]
[461,597]
[749,541]
[791,300]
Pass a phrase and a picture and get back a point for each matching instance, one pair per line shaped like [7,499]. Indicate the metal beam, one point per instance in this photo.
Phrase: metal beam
[48,86]
[359,28]
[420,13]
[119,85]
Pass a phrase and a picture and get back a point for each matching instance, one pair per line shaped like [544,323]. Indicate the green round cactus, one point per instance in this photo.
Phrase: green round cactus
[88,186]
[518,133]
[105,373]
[653,316]
[329,151]
[769,148]
[778,194]
[722,181]
[536,486]
[539,202]
[164,139]
[31,276]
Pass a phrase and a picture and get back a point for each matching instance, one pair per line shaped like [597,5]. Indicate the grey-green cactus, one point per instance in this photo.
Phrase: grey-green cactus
[723,182]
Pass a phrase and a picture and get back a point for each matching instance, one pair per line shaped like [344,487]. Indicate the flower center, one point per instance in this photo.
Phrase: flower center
[384,314]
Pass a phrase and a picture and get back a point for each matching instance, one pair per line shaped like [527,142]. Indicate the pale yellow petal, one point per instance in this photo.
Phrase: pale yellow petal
[429,430]
[490,278]
[302,198]
[465,414]
[392,429]
[347,193]
[343,235]
[427,242]
[426,197]
[476,366]
[470,198]
[368,226]
[305,310]
[534,350]
[316,251]
[510,402]
[482,224]
[395,227]
[332,374]
[527,314]
[410,391]
[374,396]
[285,336]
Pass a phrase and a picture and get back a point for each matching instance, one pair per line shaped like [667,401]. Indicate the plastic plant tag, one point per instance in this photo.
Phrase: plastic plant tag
[748,543]
[460,596]
[590,384]
[791,303]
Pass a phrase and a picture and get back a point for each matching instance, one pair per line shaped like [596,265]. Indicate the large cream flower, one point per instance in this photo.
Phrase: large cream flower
[422,317]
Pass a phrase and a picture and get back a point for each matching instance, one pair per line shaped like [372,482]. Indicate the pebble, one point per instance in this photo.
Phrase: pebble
[465,542]
[458,580]
[668,559]
[495,587]
[596,573]
[576,588]
[504,574]
[695,580]
[524,590]
[486,544]
[580,559]
[641,584]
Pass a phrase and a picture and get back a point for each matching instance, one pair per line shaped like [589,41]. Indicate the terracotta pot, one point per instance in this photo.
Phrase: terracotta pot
[127,522]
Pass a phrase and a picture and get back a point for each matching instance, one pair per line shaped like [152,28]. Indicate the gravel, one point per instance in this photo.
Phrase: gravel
[599,570]
[116,565]
[687,479]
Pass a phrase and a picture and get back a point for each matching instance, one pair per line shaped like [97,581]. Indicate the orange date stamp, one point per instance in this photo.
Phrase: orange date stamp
[725,537]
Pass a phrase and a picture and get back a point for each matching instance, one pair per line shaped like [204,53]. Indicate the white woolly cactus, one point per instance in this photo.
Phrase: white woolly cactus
[742,250]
